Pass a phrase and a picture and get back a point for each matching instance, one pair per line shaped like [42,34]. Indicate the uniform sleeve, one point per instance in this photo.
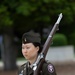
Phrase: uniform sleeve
[19,70]
[48,69]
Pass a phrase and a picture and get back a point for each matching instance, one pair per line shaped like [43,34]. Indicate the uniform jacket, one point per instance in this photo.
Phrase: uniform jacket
[47,69]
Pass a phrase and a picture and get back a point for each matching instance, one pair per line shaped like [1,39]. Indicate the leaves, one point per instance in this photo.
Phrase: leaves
[26,8]
[2,9]
[33,12]
[5,16]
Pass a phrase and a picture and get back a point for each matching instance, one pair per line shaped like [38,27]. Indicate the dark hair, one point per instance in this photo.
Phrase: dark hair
[38,44]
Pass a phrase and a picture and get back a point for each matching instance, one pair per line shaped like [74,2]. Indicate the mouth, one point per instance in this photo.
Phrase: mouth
[25,55]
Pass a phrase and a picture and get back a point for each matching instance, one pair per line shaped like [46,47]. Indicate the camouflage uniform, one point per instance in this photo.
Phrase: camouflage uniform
[47,69]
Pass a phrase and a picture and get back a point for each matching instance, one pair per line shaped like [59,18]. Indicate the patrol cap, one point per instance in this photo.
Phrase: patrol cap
[31,37]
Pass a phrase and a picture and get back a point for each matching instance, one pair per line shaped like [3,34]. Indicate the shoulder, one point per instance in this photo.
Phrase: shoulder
[46,63]
[48,68]
[22,67]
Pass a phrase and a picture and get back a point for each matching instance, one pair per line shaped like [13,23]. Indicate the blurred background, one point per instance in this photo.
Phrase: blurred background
[18,17]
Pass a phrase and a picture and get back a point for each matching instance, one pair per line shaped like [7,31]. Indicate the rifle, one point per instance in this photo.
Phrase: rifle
[40,60]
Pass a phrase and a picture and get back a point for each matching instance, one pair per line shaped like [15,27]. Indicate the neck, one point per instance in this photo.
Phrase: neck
[33,59]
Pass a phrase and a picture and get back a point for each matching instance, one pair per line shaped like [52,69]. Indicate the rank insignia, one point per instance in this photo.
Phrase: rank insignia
[25,40]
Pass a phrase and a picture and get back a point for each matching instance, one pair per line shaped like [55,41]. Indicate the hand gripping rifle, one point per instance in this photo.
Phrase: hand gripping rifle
[40,60]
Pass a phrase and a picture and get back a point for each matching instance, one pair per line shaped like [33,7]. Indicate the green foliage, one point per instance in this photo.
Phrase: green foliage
[26,8]
[59,40]
[38,11]
[5,16]
[72,36]
[28,14]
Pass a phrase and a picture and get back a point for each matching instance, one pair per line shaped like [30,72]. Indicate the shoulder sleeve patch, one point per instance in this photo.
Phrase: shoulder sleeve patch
[50,68]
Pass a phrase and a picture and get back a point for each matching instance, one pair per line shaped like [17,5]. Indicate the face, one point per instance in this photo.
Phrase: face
[29,51]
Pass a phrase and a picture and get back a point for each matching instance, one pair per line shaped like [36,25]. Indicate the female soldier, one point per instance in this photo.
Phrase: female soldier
[31,47]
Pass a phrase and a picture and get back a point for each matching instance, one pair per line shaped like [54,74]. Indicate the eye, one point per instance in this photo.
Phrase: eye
[27,47]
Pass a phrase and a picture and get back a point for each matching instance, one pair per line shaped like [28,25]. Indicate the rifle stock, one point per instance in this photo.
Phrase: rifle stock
[46,46]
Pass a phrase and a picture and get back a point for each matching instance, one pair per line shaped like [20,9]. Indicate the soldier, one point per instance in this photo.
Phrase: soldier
[31,47]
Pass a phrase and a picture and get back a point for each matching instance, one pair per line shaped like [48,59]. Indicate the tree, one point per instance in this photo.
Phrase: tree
[6,23]
[44,12]
[23,15]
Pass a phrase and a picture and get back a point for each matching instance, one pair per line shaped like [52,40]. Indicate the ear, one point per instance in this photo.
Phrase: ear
[37,48]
